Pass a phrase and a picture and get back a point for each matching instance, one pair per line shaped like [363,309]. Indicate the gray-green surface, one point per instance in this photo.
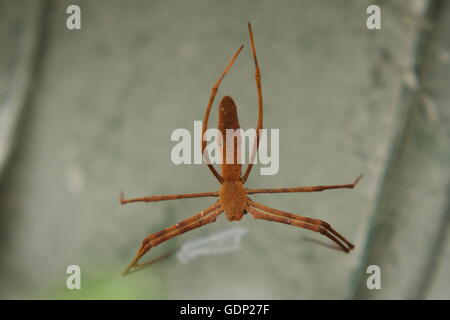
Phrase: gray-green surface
[103,101]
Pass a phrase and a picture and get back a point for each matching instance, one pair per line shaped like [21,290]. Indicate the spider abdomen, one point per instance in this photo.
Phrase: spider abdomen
[228,121]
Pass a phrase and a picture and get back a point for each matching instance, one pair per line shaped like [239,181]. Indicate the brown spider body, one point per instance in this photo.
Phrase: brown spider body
[233,196]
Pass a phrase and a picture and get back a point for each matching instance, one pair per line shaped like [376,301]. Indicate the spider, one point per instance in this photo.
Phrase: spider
[233,196]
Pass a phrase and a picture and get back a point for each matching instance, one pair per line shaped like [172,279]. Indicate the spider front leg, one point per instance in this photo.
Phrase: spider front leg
[259,124]
[200,219]
[214,90]
[271,214]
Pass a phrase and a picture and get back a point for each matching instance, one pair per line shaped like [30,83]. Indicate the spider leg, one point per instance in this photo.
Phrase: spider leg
[214,90]
[206,216]
[153,261]
[168,197]
[315,225]
[306,189]
[260,105]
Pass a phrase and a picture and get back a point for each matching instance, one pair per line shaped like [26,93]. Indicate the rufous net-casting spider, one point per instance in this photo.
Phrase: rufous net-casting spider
[233,196]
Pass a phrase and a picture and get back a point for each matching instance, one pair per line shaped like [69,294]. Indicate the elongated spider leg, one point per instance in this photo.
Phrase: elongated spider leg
[260,106]
[168,197]
[148,244]
[300,221]
[153,261]
[151,241]
[306,189]
[317,222]
[265,216]
[167,230]
[180,224]
[214,90]
[183,223]
[322,243]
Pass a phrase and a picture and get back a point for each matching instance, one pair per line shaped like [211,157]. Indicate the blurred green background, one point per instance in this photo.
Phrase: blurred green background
[87,113]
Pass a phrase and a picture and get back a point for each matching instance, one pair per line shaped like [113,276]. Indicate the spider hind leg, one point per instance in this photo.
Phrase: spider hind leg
[260,211]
